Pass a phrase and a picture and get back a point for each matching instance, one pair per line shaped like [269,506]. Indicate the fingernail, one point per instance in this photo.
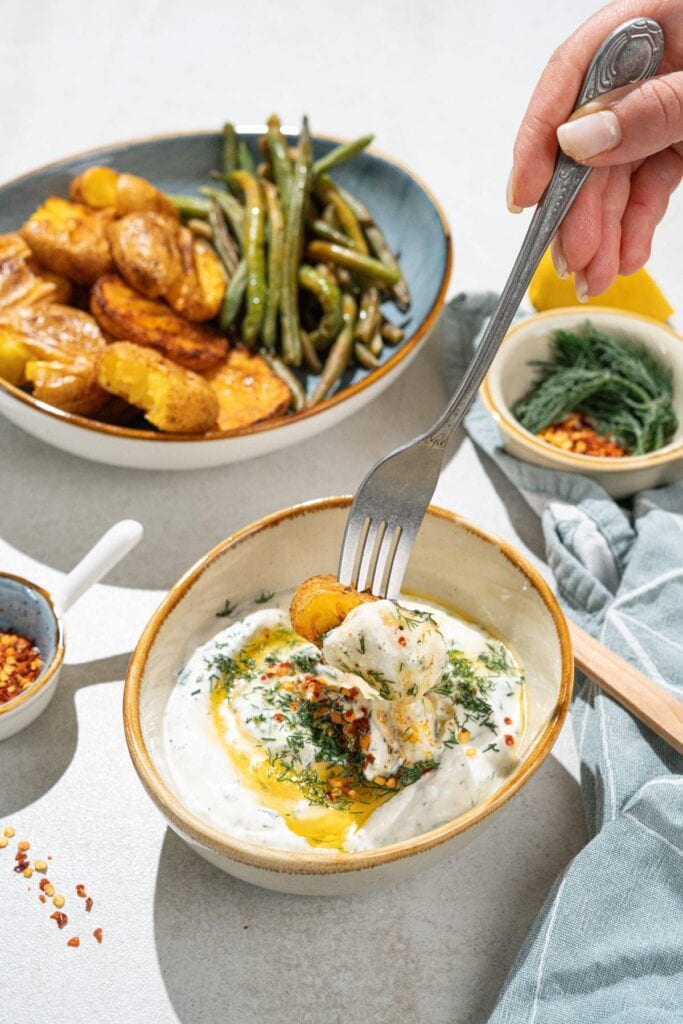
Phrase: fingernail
[581,286]
[512,206]
[559,260]
[587,136]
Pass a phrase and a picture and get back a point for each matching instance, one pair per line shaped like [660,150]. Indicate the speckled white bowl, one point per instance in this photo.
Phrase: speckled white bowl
[454,563]
[510,378]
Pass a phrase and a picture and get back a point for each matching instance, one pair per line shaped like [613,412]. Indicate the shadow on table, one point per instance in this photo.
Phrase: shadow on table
[34,760]
[433,951]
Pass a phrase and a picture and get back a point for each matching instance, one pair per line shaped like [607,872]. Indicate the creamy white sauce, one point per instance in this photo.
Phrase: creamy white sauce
[242,725]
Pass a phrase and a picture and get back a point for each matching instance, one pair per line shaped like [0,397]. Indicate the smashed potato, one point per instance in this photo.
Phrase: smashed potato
[321,603]
[13,246]
[101,187]
[197,293]
[124,314]
[21,286]
[146,252]
[173,399]
[57,349]
[247,390]
[70,239]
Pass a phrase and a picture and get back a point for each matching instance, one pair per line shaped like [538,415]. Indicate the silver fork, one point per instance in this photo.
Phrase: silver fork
[393,498]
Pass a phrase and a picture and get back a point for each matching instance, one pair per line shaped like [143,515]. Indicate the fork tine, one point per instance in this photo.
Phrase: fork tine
[385,560]
[400,559]
[368,562]
[353,545]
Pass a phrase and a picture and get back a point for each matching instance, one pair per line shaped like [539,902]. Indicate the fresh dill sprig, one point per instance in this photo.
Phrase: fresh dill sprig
[623,389]
[228,609]
[265,597]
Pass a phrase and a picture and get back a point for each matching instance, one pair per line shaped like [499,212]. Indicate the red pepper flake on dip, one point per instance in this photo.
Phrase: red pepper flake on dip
[20,664]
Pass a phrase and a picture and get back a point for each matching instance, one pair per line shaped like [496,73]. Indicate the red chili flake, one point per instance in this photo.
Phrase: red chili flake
[80,891]
[21,866]
[43,883]
[74,942]
[508,721]
[97,934]
[278,717]
[402,640]
[509,740]
[42,897]
[88,904]
[60,918]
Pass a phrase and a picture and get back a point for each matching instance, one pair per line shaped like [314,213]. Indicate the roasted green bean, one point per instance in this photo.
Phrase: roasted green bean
[341,153]
[223,241]
[200,228]
[292,347]
[245,161]
[339,354]
[392,334]
[328,252]
[329,234]
[376,345]
[369,315]
[327,191]
[276,254]
[254,254]
[364,356]
[191,206]
[229,149]
[380,247]
[234,295]
[279,159]
[289,378]
[231,207]
[327,292]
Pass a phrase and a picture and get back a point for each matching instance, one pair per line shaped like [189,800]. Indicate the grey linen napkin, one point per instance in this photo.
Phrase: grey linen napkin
[608,944]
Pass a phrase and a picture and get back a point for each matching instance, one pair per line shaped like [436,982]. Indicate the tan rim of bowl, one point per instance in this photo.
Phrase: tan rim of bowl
[584,462]
[256,428]
[57,658]
[311,864]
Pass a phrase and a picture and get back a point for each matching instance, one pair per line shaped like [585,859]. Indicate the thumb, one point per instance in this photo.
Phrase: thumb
[646,120]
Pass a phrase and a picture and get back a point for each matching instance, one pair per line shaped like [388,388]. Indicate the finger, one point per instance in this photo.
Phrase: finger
[651,188]
[647,119]
[553,99]
[580,232]
[603,268]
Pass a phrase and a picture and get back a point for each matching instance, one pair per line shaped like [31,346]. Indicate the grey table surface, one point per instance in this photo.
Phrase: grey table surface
[443,85]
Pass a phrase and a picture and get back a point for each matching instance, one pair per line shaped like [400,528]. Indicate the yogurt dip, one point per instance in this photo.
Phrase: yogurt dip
[408,716]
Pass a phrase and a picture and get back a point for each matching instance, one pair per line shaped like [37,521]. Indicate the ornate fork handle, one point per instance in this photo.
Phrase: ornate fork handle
[631,53]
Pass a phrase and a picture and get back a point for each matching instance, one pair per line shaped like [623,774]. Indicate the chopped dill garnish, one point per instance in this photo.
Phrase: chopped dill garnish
[224,671]
[306,663]
[491,746]
[228,609]
[497,659]
[361,643]
[381,683]
[265,597]
[410,773]
[194,693]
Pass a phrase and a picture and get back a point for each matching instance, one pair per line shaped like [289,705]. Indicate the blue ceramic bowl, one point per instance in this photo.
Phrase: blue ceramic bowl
[409,216]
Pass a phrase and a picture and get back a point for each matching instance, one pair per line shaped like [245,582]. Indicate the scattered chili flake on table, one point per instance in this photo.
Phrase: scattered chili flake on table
[88,904]
[60,917]
[20,664]
[74,942]
[80,890]
[98,934]
[574,434]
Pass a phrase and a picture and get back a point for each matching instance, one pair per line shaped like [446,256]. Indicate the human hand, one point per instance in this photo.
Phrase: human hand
[632,136]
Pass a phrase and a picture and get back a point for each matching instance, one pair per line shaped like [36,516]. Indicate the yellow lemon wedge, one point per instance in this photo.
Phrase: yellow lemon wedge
[637,293]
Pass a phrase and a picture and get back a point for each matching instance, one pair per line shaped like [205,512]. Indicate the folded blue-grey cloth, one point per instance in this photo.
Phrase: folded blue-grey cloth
[607,946]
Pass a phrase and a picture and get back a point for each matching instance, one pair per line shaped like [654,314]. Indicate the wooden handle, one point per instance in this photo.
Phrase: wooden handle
[648,701]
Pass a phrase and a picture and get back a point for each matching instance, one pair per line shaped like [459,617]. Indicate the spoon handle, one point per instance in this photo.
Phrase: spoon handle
[629,54]
[107,553]
[645,699]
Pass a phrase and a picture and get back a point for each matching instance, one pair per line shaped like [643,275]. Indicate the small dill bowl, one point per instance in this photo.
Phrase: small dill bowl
[511,377]
[455,564]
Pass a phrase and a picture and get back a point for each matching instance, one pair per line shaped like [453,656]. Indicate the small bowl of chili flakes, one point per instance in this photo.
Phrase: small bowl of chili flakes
[31,652]
[556,430]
